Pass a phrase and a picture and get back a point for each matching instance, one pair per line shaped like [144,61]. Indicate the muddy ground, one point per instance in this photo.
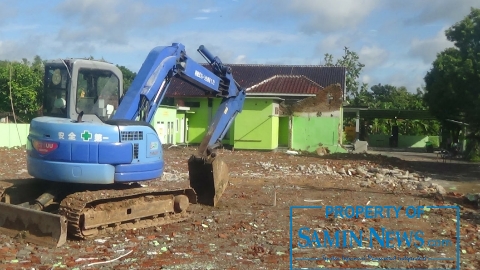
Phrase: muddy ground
[251,228]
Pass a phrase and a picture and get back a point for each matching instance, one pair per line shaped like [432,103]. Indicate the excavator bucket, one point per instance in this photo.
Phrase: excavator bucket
[33,226]
[209,179]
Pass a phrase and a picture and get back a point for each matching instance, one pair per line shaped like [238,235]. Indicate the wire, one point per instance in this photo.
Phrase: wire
[65,64]
[13,109]
[112,260]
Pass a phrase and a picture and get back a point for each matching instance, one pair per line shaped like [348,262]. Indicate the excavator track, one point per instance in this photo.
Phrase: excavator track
[93,213]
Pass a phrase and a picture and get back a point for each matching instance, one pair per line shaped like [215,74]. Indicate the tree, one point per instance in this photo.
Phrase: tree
[452,84]
[128,77]
[392,97]
[350,60]
[25,85]
[38,68]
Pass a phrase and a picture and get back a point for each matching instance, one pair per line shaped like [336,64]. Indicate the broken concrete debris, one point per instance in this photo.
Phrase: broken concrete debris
[368,176]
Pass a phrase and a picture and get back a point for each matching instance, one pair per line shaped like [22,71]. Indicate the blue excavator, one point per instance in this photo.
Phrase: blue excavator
[93,147]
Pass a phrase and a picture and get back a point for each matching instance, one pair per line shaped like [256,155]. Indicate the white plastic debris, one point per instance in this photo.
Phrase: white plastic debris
[101,241]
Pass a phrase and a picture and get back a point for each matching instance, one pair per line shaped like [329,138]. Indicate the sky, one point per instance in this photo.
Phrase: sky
[396,40]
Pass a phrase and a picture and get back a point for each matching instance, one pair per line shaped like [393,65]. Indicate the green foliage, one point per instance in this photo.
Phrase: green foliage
[128,77]
[391,97]
[382,97]
[472,151]
[452,82]
[435,141]
[25,81]
[452,90]
[350,60]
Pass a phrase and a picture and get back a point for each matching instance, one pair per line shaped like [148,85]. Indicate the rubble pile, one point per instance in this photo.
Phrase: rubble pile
[175,176]
[367,176]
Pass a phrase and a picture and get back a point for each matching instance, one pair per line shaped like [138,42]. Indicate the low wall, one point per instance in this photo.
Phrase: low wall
[404,141]
[12,135]
[308,133]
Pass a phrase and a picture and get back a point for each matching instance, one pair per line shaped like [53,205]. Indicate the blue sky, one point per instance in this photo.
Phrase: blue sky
[397,40]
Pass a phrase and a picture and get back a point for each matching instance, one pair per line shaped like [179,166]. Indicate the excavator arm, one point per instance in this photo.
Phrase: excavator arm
[208,173]
[148,89]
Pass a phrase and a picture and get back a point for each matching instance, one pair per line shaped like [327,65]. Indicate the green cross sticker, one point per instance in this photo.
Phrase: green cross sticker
[86,136]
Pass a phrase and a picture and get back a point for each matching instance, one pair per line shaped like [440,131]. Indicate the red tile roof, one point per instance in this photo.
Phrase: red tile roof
[248,75]
[286,84]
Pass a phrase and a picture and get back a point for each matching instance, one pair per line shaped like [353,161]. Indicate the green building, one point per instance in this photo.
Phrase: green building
[164,122]
[263,123]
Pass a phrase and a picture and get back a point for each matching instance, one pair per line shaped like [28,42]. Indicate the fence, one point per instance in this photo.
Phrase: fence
[12,135]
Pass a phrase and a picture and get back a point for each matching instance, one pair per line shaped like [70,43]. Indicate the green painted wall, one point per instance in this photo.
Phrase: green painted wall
[255,127]
[283,131]
[12,135]
[198,118]
[309,132]
[252,128]
[166,114]
[404,141]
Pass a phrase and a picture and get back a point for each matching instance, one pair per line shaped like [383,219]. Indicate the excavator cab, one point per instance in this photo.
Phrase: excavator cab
[75,86]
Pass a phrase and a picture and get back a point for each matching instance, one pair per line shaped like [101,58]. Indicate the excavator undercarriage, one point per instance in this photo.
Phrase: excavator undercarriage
[85,211]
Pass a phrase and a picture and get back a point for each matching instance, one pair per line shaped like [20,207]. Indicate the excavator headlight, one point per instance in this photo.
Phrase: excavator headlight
[44,147]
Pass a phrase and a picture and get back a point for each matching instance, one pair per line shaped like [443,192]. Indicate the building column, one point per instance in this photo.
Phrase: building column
[357,126]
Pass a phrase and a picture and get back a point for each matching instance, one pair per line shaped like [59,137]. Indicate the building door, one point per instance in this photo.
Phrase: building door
[170,132]
[181,129]
[160,128]
[186,130]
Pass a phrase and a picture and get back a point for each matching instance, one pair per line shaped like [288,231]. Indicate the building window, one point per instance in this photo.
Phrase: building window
[192,104]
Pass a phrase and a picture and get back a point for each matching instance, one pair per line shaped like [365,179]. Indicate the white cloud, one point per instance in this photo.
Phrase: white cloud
[18,27]
[310,16]
[7,11]
[15,51]
[328,15]
[241,59]
[427,49]
[372,56]
[333,44]
[366,79]
[422,12]
[391,37]
[112,21]
[239,37]
[398,72]
[208,10]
